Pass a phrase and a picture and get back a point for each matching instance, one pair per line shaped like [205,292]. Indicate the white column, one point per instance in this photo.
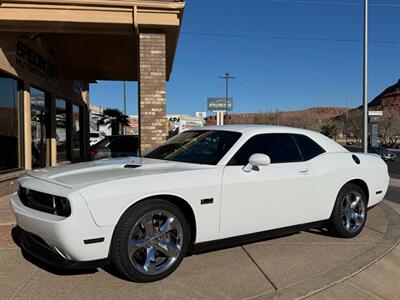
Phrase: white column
[220,117]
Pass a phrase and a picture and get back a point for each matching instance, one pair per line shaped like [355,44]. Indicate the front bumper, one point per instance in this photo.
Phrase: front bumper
[65,236]
[37,248]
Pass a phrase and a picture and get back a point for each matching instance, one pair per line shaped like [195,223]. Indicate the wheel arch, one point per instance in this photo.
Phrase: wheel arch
[180,202]
[362,184]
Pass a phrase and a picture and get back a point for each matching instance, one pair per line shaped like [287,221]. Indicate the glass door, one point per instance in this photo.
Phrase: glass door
[9,129]
[39,114]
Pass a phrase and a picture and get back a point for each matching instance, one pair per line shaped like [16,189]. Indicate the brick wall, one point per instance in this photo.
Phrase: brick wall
[152,86]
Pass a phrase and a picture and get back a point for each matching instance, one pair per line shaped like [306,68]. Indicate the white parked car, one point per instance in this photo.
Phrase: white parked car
[215,184]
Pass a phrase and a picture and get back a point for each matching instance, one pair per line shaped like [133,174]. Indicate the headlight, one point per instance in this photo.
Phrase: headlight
[47,203]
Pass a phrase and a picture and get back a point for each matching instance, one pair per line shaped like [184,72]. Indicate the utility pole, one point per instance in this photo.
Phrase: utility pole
[124,131]
[365,80]
[226,77]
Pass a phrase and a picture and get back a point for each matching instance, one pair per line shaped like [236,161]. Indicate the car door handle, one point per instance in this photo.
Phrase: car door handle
[304,171]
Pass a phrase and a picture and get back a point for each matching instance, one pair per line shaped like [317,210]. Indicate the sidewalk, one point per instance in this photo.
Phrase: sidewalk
[379,281]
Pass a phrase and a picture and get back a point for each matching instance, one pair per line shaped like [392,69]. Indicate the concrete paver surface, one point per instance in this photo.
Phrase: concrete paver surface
[379,281]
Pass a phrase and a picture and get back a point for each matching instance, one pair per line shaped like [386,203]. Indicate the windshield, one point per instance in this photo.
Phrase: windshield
[199,147]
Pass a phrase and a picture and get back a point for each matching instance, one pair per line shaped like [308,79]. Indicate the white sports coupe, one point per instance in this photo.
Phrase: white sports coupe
[230,184]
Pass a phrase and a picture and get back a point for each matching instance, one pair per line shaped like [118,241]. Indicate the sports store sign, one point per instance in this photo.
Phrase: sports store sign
[36,57]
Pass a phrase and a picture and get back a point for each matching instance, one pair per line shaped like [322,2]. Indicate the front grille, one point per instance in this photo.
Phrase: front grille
[47,203]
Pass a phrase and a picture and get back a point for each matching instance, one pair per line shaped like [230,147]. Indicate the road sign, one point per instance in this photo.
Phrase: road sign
[374,119]
[375,113]
[215,104]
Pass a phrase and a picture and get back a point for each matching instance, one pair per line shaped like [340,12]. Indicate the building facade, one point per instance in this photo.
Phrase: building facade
[51,50]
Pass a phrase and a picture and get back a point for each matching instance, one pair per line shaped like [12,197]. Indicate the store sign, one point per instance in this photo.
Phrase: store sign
[36,57]
[215,104]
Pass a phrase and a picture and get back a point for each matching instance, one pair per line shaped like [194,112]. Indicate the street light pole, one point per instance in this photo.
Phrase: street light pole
[365,80]
[226,77]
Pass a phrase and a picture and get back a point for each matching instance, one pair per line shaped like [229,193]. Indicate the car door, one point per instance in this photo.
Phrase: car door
[267,197]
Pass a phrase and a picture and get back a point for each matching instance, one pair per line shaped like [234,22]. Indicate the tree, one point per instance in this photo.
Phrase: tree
[330,130]
[354,124]
[114,118]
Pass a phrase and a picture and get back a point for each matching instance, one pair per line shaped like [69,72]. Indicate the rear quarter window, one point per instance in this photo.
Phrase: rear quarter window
[308,147]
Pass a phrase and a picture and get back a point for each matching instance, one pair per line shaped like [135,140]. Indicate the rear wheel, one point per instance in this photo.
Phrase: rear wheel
[350,211]
[150,241]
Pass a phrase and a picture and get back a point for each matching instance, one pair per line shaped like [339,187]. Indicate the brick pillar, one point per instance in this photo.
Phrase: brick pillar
[152,86]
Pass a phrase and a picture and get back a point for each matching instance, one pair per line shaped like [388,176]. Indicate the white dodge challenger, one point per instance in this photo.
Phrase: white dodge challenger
[230,184]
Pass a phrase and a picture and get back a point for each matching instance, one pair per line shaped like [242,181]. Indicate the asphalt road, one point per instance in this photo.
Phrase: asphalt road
[393,194]
[394,168]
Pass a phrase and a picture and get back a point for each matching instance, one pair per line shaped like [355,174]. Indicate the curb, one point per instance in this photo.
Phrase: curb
[343,272]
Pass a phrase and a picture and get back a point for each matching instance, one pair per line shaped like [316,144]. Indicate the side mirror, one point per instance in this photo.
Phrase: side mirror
[257,159]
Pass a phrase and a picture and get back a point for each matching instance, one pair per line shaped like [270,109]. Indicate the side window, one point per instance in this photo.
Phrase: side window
[280,147]
[309,149]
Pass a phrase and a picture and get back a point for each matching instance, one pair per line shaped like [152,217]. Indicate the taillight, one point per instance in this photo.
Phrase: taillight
[92,152]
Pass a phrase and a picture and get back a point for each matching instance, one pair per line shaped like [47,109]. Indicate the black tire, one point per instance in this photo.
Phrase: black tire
[122,233]
[337,221]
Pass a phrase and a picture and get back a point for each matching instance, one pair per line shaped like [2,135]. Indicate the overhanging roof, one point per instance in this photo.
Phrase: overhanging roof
[96,39]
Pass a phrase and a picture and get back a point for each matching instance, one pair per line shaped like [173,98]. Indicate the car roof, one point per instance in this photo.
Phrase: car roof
[253,129]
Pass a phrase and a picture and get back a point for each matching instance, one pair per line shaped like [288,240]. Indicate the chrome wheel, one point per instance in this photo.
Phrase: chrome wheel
[352,211]
[155,242]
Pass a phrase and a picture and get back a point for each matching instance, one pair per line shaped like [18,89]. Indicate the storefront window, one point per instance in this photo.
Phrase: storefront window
[76,132]
[61,133]
[39,114]
[9,137]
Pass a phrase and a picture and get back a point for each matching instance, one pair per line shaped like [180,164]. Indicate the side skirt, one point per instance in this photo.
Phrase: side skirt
[253,237]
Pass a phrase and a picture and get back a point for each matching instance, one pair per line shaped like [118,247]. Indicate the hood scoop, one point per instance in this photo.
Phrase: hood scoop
[130,166]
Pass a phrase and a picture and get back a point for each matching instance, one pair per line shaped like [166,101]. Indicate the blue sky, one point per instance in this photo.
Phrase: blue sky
[285,54]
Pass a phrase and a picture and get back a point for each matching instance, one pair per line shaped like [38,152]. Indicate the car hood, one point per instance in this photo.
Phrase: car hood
[88,173]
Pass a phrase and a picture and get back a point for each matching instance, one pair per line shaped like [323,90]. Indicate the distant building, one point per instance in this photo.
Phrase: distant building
[95,109]
[175,123]
[180,123]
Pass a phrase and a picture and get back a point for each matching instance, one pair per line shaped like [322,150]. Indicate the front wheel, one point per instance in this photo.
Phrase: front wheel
[350,211]
[150,241]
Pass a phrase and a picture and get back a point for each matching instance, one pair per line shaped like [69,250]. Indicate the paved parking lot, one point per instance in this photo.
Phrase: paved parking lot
[290,266]
[394,167]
